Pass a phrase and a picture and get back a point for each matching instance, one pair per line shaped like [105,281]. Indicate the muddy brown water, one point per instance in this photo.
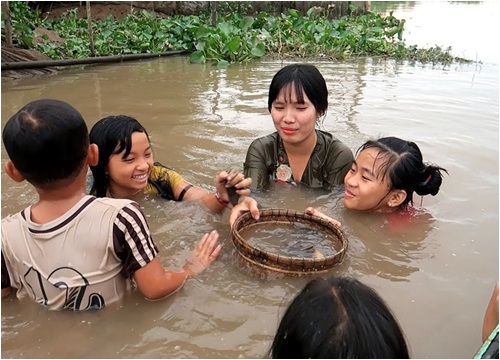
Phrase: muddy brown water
[436,273]
[290,239]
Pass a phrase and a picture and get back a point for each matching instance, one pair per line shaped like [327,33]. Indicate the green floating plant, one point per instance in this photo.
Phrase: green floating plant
[235,38]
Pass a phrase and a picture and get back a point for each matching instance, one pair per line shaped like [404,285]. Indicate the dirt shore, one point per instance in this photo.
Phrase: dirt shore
[99,12]
[13,54]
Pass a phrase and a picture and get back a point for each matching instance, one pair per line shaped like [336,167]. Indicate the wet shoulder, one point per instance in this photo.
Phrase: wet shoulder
[164,181]
[265,141]
[328,141]
[158,171]
[13,220]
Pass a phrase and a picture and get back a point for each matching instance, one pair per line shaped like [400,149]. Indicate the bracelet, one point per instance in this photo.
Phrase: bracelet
[220,200]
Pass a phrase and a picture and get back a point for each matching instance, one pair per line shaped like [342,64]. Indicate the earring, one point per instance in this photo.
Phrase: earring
[390,204]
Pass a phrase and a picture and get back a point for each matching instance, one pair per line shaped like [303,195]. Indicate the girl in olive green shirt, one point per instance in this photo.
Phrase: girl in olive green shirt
[297,152]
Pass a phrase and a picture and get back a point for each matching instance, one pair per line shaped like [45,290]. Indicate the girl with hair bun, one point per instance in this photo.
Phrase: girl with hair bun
[385,175]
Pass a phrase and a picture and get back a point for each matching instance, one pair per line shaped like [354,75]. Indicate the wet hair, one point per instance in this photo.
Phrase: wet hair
[338,318]
[112,135]
[47,141]
[306,79]
[402,164]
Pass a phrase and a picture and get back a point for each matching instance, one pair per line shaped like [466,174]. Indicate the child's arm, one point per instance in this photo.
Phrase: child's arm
[134,245]
[171,185]
[218,201]
[315,212]
[491,315]
[155,283]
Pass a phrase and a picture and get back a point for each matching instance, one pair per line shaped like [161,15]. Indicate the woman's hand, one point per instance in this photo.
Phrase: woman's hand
[246,204]
[204,255]
[224,180]
[313,211]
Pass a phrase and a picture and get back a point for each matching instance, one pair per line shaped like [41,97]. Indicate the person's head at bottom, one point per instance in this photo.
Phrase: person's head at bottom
[338,318]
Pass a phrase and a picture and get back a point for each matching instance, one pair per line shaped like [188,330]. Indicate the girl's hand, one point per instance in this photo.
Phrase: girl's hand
[247,204]
[313,211]
[204,255]
[234,178]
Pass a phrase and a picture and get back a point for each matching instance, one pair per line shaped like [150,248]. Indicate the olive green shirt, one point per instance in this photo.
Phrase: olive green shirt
[267,161]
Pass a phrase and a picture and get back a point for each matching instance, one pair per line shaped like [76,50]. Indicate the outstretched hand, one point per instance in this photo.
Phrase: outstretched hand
[224,180]
[315,212]
[245,205]
[204,255]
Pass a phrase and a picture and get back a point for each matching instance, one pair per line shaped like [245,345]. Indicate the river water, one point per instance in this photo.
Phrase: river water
[436,274]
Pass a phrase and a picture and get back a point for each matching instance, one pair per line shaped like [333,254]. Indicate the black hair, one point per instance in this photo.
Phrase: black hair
[338,318]
[47,141]
[112,135]
[305,78]
[402,163]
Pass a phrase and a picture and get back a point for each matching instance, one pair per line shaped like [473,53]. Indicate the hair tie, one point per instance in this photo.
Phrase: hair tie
[424,183]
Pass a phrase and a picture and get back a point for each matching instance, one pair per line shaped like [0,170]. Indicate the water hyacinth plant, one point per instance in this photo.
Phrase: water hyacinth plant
[234,39]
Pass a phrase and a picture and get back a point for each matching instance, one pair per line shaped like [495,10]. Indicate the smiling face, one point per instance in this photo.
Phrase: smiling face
[294,121]
[365,187]
[129,175]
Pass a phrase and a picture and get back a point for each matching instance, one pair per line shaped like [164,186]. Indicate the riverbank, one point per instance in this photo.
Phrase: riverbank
[99,12]
[63,34]
[14,54]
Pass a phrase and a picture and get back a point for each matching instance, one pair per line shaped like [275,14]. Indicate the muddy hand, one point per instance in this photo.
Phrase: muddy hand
[238,181]
[231,185]
[234,197]
[205,253]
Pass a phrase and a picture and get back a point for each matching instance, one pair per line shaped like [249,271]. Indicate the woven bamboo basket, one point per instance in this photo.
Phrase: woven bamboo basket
[281,263]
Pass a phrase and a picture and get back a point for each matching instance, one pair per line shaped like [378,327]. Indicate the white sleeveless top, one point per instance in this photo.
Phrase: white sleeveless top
[81,260]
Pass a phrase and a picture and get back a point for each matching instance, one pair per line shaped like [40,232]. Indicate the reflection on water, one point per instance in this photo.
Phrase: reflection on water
[436,269]
[469,28]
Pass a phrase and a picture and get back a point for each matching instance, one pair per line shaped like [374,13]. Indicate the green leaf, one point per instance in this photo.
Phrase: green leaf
[234,44]
[26,40]
[373,41]
[246,23]
[391,32]
[222,64]
[202,32]
[259,50]
[376,30]
[200,45]
[197,57]
[294,13]
[225,28]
